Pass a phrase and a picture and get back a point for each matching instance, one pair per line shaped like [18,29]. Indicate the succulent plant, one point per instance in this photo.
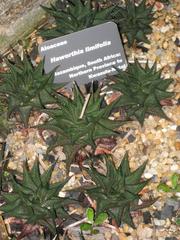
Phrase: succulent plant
[175,184]
[35,199]
[134,21]
[117,192]
[93,221]
[27,87]
[74,16]
[75,131]
[5,125]
[142,90]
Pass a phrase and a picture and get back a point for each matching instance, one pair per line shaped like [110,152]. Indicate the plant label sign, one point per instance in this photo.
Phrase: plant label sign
[84,56]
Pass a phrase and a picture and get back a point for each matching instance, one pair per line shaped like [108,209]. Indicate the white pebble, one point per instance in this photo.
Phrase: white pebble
[174,167]
[148,175]
[178,194]
[165,28]
[62,194]
[153,171]
[158,222]
[173,127]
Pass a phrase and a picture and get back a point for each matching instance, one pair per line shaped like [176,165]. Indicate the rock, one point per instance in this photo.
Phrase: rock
[158,52]
[177,42]
[158,222]
[157,214]
[177,68]
[178,132]
[177,194]
[165,28]
[167,211]
[144,232]
[175,167]
[130,238]
[114,237]
[168,223]
[159,6]
[50,158]
[74,169]
[144,49]
[173,202]
[122,134]
[131,138]
[165,45]
[147,217]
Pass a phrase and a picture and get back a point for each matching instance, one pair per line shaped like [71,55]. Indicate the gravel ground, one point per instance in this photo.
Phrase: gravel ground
[158,141]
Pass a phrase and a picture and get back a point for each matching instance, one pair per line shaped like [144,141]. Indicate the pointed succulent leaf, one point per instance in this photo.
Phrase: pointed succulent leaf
[35,198]
[117,190]
[142,91]
[27,179]
[75,16]
[136,175]
[35,173]
[127,218]
[27,87]
[124,166]
[74,131]
[134,21]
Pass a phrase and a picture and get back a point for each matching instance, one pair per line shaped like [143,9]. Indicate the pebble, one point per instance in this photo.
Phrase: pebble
[157,214]
[173,228]
[147,217]
[167,211]
[144,232]
[148,175]
[177,42]
[178,132]
[130,238]
[158,52]
[164,29]
[168,223]
[173,202]
[114,237]
[131,138]
[165,45]
[177,194]
[174,167]
[159,222]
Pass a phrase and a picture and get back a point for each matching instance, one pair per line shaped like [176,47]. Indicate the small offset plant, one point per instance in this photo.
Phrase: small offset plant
[134,21]
[75,16]
[174,188]
[27,87]
[78,123]
[117,192]
[93,221]
[35,199]
[142,90]
[175,184]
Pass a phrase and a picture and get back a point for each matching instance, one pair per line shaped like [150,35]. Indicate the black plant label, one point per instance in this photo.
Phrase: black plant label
[85,56]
